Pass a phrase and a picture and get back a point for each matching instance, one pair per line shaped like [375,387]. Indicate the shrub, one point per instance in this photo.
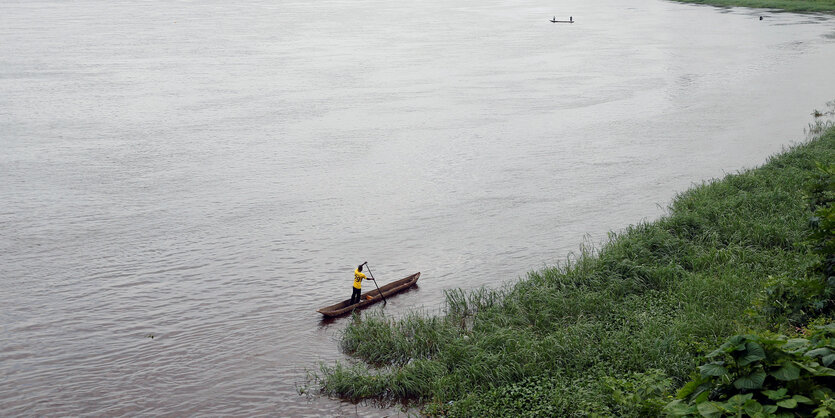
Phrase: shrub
[801,298]
[763,376]
[798,299]
[820,194]
[640,394]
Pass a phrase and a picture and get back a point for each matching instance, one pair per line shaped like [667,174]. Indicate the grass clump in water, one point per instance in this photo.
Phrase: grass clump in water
[611,332]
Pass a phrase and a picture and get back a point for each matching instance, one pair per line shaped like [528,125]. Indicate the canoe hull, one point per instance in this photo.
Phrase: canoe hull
[390,289]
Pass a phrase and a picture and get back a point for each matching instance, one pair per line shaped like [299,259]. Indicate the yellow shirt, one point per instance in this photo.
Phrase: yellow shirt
[358,279]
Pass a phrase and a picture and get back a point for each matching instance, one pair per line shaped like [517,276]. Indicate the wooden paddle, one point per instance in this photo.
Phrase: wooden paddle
[375,282]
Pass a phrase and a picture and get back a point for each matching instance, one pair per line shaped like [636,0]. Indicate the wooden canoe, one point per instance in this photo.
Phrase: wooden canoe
[390,289]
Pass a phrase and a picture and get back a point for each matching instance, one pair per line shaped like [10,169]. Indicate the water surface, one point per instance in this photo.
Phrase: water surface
[209,173]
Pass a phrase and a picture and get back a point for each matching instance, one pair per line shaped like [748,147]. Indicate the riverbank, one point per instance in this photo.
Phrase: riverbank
[821,6]
[613,331]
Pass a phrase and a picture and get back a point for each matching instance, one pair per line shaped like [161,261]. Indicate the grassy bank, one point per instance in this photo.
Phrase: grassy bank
[823,6]
[613,331]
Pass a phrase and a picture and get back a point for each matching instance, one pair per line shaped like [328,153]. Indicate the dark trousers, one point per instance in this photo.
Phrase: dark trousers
[355,297]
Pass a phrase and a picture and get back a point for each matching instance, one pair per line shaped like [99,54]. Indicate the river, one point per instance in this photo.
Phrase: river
[183,183]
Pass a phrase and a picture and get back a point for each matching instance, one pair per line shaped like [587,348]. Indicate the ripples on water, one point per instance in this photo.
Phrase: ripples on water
[208,174]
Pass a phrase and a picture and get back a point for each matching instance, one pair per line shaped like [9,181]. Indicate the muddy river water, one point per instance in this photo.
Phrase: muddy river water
[183,183]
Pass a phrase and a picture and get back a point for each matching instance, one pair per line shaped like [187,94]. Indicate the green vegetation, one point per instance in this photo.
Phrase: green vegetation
[786,5]
[615,332]
[772,375]
[802,298]
[764,376]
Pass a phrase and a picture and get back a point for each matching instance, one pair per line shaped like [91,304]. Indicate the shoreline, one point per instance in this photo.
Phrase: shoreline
[794,6]
[646,307]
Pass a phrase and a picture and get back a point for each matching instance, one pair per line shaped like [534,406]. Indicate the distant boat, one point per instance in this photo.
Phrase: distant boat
[570,20]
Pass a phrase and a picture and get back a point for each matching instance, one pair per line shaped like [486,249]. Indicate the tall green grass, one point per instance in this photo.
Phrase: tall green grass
[606,326]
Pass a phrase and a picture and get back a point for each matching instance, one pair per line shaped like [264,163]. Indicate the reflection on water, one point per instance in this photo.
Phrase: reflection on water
[209,173]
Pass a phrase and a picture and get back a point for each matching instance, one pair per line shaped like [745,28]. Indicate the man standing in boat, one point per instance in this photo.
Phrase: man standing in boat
[358,278]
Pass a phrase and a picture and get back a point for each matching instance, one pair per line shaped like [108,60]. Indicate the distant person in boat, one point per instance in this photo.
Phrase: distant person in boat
[358,278]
